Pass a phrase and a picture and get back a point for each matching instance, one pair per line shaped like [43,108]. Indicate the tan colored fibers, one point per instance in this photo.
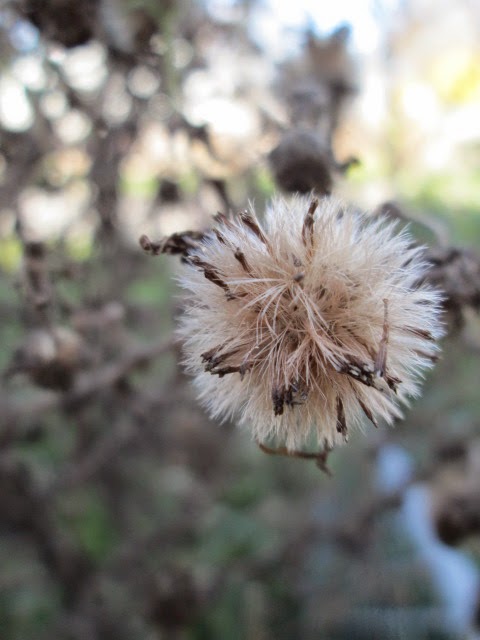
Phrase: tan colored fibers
[309,323]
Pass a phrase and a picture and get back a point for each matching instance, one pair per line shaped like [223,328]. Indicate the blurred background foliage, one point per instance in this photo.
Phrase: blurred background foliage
[124,512]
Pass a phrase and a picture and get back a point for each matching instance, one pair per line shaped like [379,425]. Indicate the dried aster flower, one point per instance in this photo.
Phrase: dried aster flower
[307,324]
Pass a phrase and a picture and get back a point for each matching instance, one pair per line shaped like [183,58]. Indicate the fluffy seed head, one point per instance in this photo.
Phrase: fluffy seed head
[308,323]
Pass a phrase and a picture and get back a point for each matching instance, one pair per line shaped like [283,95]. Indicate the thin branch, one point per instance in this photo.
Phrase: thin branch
[320,458]
[88,384]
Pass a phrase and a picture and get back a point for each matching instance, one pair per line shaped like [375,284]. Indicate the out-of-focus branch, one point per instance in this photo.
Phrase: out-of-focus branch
[454,271]
[434,225]
[87,385]
[24,507]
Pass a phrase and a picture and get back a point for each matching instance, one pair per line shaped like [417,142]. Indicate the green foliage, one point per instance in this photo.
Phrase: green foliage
[26,612]
[86,517]
[232,535]
[10,253]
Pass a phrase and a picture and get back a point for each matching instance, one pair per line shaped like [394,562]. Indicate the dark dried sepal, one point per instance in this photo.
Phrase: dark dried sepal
[240,256]
[210,272]
[367,412]
[176,244]
[307,229]
[251,223]
[380,364]
[341,420]
[291,396]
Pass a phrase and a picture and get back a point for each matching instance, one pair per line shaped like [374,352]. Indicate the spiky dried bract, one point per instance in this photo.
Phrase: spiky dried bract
[307,323]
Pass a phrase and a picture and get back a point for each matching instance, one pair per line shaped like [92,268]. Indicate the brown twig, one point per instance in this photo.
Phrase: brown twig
[88,384]
[320,458]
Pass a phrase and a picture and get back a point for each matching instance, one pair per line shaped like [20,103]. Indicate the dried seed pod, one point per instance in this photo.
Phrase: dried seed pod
[50,357]
[457,517]
[310,323]
[65,21]
[301,163]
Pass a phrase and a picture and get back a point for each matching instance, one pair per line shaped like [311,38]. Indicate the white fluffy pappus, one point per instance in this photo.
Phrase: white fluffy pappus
[309,323]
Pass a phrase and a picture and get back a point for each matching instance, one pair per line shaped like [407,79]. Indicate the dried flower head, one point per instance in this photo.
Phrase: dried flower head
[309,323]
[301,163]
